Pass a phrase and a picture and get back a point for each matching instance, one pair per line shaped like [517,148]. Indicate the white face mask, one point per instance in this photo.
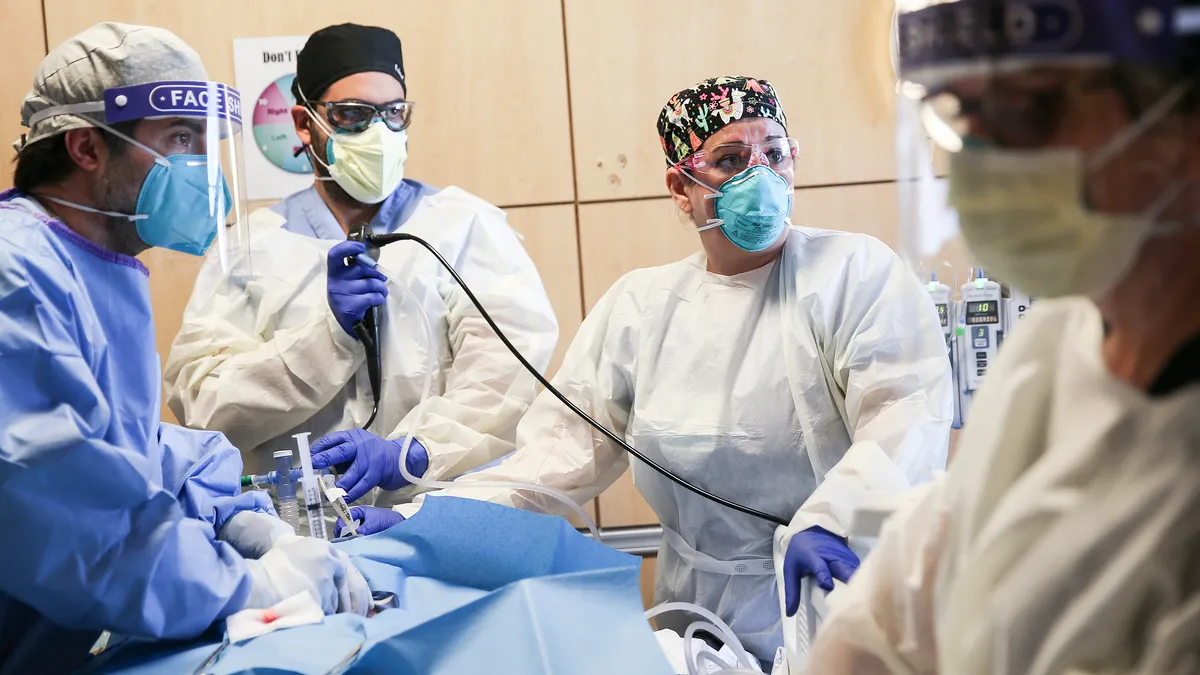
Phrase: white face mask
[368,165]
[1023,215]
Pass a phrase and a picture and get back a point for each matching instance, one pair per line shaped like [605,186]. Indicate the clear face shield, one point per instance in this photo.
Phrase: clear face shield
[1041,141]
[193,199]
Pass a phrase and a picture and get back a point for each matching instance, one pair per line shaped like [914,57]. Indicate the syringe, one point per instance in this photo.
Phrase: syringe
[312,489]
[262,480]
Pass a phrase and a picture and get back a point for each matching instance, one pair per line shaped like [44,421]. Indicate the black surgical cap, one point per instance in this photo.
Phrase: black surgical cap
[341,51]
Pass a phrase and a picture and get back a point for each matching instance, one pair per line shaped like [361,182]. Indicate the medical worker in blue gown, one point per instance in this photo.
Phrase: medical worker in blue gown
[115,521]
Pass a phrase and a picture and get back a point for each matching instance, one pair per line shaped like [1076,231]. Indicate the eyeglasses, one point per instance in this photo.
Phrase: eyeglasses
[729,159]
[356,116]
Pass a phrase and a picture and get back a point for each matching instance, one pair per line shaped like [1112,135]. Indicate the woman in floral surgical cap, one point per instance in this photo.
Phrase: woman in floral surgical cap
[789,369]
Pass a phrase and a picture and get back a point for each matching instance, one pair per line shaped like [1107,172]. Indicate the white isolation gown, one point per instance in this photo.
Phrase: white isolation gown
[773,388]
[1066,539]
[266,359]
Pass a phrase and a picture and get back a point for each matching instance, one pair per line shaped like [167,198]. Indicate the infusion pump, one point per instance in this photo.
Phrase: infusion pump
[974,326]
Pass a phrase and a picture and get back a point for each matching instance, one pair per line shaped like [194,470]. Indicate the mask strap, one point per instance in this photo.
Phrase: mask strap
[713,194]
[57,109]
[81,207]
[1123,139]
[313,155]
[76,109]
[1160,205]
[316,120]
[328,133]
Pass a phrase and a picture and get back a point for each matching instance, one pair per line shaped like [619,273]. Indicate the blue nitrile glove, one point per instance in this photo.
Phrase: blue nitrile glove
[352,289]
[376,462]
[818,553]
[371,519]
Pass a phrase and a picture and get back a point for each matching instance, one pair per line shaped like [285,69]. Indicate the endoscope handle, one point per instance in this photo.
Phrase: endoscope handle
[368,329]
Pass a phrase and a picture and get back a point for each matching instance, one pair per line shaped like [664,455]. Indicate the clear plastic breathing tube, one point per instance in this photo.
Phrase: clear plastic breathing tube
[426,392]
[714,625]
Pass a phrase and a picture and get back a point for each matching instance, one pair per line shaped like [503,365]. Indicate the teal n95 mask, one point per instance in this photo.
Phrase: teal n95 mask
[752,208]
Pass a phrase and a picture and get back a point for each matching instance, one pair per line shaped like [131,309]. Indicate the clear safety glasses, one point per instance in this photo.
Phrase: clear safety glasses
[725,161]
[355,116]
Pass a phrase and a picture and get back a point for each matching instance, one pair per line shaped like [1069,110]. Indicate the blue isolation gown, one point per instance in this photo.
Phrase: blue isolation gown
[109,516]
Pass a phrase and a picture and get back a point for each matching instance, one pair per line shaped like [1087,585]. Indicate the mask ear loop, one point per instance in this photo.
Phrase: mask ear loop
[158,158]
[1126,137]
[1121,141]
[711,223]
[81,207]
[312,155]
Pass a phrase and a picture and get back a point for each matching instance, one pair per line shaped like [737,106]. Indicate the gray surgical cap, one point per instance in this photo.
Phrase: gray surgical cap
[77,73]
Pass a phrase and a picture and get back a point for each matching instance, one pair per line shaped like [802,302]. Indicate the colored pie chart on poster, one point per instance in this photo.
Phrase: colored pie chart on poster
[273,130]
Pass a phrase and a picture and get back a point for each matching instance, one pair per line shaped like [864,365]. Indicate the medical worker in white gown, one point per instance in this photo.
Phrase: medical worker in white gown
[289,360]
[1066,537]
[792,370]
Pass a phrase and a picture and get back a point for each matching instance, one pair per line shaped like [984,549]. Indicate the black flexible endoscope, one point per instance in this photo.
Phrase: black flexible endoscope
[368,332]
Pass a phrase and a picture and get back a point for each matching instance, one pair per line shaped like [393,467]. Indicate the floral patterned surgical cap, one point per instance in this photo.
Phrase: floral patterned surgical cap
[693,115]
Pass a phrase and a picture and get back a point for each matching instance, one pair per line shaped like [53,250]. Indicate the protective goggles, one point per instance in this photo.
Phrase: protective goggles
[725,161]
[355,116]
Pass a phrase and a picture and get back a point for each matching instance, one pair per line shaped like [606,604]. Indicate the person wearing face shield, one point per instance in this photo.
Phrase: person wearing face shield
[289,359]
[792,370]
[120,522]
[1065,537]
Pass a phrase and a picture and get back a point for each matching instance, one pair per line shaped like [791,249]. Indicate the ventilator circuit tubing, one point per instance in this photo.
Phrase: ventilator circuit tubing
[385,239]
[715,626]
[426,391]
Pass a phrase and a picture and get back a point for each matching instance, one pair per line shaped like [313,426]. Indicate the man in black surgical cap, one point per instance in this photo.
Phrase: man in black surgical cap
[292,361]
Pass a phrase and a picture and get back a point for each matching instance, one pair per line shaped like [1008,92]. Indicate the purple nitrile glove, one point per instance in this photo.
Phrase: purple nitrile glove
[374,461]
[371,519]
[818,553]
[352,289]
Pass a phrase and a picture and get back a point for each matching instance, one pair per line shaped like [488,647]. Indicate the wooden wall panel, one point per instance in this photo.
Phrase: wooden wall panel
[869,209]
[618,237]
[649,569]
[551,242]
[172,276]
[23,37]
[488,77]
[830,61]
[623,506]
[550,239]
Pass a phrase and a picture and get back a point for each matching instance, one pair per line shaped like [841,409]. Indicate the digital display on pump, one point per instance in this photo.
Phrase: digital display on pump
[985,312]
[943,314]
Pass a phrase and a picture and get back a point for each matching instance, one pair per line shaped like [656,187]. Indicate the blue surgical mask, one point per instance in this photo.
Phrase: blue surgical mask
[181,212]
[176,207]
[752,208]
